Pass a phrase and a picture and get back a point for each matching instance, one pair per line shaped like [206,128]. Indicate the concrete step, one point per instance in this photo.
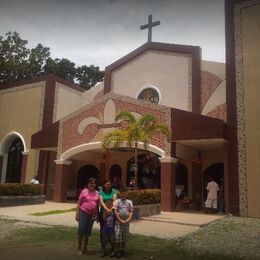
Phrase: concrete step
[190,219]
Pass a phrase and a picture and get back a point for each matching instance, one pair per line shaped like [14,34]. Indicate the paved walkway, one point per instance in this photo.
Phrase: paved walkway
[168,225]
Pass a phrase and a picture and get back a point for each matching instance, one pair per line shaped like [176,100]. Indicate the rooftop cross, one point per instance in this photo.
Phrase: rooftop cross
[149,27]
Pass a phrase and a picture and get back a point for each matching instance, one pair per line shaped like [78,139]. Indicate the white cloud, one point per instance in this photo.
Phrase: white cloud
[101,31]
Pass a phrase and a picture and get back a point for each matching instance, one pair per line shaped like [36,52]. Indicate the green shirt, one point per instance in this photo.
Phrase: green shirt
[107,196]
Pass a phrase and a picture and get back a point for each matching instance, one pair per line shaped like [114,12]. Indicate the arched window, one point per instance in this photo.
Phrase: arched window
[149,94]
[14,163]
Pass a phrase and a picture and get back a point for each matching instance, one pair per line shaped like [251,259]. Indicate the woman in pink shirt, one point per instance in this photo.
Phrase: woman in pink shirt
[86,213]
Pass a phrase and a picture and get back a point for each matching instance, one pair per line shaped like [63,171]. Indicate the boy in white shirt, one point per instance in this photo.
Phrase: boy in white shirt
[212,197]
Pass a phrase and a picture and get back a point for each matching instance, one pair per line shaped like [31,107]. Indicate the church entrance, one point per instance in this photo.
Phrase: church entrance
[216,172]
[84,173]
[14,162]
[183,200]
[182,178]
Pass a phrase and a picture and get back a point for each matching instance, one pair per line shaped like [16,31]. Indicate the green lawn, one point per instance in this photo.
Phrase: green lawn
[52,212]
[60,243]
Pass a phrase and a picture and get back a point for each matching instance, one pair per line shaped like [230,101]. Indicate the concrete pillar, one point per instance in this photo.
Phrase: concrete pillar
[4,167]
[62,178]
[41,166]
[24,166]
[102,171]
[1,165]
[43,169]
[197,182]
[226,174]
[168,178]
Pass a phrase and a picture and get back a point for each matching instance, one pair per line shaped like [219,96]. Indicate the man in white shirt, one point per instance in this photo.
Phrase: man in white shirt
[212,197]
[35,180]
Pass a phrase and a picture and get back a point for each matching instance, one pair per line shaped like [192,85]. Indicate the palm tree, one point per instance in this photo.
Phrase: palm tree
[135,130]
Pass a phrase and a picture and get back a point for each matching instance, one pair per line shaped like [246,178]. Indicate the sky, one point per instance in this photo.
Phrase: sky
[99,32]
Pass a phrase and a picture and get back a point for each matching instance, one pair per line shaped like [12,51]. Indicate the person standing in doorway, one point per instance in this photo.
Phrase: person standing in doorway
[211,203]
[86,213]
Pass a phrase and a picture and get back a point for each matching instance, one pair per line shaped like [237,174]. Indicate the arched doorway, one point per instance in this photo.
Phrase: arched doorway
[216,172]
[182,178]
[115,171]
[149,172]
[14,161]
[84,173]
[116,176]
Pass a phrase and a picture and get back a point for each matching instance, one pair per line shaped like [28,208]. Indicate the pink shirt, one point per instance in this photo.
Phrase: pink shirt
[89,201]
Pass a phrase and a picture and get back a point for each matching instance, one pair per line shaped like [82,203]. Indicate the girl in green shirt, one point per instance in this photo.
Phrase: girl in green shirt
[107,193]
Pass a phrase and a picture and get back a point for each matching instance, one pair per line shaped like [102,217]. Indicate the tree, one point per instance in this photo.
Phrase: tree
[89,76]
[17,62]
[63,68]
[37,60]
[135,130]
[13,58]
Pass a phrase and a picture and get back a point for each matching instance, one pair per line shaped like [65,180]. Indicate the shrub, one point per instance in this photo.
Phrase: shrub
[147,196]
[17,189]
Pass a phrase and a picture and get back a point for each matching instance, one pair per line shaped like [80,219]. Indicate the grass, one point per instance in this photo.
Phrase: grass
[61,242]
[234,236]
[52,212]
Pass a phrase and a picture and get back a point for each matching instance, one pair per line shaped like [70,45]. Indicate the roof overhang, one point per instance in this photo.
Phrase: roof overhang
[191,126]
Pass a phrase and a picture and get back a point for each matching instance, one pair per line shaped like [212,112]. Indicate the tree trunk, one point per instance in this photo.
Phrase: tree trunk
[136,167]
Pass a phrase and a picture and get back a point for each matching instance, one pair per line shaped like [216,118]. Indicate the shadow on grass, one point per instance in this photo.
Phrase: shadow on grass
[61,242]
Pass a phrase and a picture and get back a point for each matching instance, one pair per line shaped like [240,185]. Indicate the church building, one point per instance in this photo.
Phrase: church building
[52,128]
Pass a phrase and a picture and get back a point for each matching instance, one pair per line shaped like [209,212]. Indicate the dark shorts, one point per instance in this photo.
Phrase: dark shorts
[86,222]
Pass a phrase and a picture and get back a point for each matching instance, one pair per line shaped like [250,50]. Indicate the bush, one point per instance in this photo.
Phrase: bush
[147,196]
[17,189]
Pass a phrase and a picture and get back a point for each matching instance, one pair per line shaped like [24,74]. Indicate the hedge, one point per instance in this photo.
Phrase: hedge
[17,189]
[139,197]
[147,196]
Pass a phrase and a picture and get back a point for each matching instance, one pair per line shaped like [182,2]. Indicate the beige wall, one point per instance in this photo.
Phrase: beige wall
[67,100]
[251,76]
[21,112]
[32,165]
[169,72]
[90,94]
